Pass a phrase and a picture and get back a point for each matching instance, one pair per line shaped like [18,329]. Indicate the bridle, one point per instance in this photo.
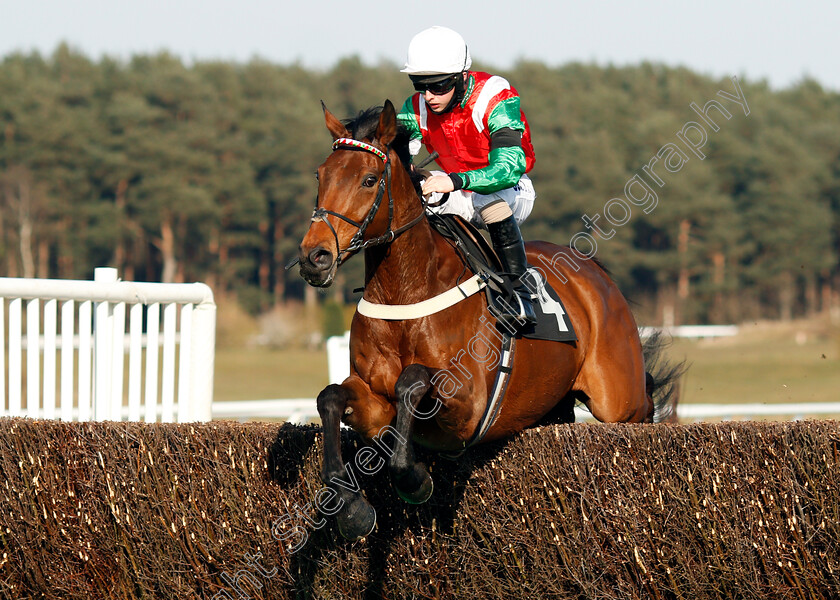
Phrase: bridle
[357,242]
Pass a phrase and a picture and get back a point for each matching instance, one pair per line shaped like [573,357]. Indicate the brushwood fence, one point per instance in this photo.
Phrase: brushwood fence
[78,352]
[134,510]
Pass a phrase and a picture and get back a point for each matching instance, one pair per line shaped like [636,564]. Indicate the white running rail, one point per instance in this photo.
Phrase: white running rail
[78,372]
[304,410]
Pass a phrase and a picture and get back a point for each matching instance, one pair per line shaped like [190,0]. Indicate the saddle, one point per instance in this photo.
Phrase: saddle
[553,321]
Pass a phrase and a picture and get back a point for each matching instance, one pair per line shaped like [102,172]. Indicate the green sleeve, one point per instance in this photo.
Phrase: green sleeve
[408,119]
[506,115]
[507,164]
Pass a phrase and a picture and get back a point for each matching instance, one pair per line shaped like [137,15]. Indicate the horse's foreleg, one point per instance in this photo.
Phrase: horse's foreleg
[411,479]
[356,517]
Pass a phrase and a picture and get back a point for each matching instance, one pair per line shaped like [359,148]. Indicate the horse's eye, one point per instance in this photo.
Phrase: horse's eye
[316,176]
[369,181]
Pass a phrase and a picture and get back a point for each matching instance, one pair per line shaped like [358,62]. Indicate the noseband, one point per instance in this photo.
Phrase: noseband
[357,242]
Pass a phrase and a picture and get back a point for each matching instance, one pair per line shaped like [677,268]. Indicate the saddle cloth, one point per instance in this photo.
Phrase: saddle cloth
[553,323]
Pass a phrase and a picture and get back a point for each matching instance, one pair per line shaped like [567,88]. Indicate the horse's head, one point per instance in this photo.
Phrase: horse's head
[355,206]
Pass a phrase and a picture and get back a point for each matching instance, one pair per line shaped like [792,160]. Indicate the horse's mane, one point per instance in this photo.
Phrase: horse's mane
[363,126]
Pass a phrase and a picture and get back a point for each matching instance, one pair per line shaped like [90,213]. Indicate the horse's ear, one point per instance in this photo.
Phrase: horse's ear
[336,127]
[387,130]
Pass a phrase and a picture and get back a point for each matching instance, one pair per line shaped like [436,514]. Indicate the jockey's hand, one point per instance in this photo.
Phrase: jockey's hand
[438,183]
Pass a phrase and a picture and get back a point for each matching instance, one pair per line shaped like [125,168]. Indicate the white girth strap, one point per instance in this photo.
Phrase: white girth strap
[399,312]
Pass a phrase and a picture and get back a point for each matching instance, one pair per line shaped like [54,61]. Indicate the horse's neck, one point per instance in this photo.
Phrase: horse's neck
[408,270]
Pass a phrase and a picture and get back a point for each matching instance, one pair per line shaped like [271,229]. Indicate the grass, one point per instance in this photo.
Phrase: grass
[765,362]
[769,363]
[260,373]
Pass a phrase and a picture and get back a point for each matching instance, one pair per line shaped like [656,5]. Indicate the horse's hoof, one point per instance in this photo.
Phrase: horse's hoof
[420,492]
[357,520]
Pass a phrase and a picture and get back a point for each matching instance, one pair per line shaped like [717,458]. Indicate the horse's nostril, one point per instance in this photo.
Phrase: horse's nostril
[320,257]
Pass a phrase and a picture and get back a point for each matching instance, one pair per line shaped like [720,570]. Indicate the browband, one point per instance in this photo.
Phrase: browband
[361,145]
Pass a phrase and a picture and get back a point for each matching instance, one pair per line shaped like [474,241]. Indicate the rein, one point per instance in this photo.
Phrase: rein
[357,242]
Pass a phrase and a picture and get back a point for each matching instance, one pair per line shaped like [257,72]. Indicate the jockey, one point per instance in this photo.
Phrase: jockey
[473,121]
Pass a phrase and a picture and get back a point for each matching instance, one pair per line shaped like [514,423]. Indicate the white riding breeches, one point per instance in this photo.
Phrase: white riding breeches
[468,204]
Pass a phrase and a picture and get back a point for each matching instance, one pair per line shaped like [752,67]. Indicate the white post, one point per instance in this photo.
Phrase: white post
[117,359]
[3,411]
[185,399]
[50,331]
[33,358]
[68,322]
[338,357]
[85,351]
[202,360]
[15,357]
[103,353]
[167,395]
[152,328]
[135,357]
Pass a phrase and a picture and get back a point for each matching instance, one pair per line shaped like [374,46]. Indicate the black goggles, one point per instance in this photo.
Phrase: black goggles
[438,88]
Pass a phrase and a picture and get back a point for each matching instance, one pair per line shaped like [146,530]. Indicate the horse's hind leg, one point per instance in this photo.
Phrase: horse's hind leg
[356,517]
[615,385]
[411,479]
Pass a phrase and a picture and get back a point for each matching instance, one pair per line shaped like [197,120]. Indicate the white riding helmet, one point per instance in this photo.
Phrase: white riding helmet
[437,51]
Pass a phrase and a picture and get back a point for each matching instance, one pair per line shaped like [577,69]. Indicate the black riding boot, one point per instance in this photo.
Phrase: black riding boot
[508,244]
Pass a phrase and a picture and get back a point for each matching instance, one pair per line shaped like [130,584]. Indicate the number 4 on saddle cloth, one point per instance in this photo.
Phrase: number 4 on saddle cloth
[553,323]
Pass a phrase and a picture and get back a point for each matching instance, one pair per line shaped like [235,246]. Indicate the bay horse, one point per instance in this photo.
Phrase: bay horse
[368,202]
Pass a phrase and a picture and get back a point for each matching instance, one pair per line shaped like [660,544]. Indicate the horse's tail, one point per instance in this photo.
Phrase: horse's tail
[662,378]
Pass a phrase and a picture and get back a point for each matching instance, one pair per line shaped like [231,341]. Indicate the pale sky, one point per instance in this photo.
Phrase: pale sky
[778,41]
